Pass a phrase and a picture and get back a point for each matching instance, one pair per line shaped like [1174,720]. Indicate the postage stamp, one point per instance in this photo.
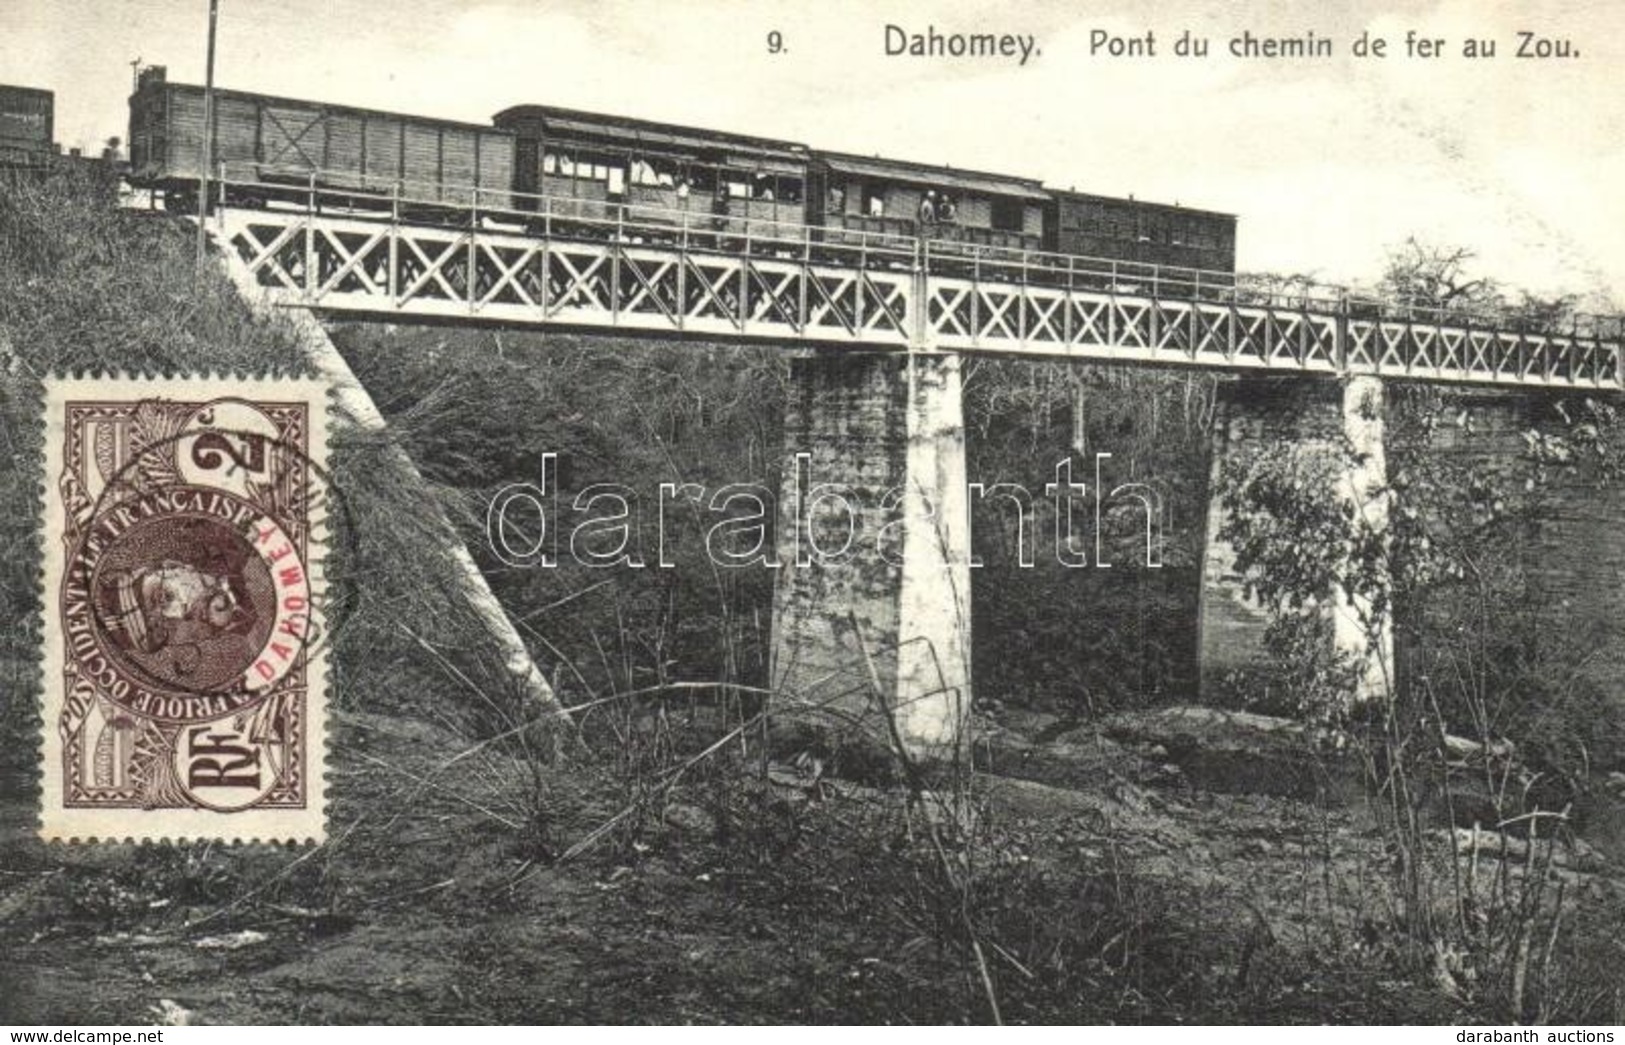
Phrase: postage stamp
[185,527]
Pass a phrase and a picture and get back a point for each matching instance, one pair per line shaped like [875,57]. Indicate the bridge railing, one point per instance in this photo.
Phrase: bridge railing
[718,231]
[728,232]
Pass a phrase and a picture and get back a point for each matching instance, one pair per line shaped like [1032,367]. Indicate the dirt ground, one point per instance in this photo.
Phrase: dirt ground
[1117,891]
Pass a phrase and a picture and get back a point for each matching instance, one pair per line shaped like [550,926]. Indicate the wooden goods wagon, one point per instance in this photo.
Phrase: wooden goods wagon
[607,167]
[26,127]
[284,142]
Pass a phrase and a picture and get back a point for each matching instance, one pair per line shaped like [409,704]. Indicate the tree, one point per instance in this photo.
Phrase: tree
[1422,275]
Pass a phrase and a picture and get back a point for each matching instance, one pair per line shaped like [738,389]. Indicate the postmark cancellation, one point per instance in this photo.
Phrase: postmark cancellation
[185,678]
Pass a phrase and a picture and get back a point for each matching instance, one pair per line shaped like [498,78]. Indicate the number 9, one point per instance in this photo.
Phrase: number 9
[775,42]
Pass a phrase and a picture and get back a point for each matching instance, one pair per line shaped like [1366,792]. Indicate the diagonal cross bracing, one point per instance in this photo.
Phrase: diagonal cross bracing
[355,265]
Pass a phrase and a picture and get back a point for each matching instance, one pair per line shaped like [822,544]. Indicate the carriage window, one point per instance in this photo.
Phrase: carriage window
[790,190]
[595,166]
[654,170]
[702,178]
[1007,215]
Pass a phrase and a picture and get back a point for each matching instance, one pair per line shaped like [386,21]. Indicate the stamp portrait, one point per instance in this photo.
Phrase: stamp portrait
[184,533]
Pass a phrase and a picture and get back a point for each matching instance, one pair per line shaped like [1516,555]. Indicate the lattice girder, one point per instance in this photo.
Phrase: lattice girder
[358,265]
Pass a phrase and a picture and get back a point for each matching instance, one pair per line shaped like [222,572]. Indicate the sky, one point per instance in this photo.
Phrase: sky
[1329,163]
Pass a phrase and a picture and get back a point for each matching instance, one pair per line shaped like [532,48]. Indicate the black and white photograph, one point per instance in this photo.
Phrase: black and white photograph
[596,512]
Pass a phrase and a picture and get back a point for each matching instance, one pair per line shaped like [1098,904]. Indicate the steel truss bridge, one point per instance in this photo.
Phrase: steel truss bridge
[596,266]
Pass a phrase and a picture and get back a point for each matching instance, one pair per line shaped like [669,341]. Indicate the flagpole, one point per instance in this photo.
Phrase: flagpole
[208,135]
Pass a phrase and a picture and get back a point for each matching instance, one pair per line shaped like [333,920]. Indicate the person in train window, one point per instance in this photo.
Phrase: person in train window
[947,211]
[682,188]
[928,207]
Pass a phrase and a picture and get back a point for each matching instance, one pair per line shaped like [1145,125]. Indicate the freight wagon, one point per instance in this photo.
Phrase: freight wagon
[273,147]
[26,127]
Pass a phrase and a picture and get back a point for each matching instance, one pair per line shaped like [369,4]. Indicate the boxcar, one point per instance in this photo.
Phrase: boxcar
[284,142]
[600,167]
[896,197]
[1148,233]
[26,127]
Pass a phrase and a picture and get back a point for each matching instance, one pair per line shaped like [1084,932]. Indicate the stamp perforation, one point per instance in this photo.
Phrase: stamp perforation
[259,597]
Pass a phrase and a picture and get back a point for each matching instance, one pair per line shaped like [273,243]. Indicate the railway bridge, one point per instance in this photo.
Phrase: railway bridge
[879,325]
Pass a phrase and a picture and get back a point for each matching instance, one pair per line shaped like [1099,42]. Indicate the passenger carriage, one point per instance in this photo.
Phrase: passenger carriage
[645,180]
[870,195]
[1159,247]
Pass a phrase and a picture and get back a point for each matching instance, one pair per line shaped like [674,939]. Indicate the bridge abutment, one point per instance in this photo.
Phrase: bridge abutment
[872,608]
[1345,421]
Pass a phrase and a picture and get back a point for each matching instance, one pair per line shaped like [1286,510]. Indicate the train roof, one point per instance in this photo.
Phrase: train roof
[1180,208]
[650,132]
[39,92]
[934,175]
[159,83]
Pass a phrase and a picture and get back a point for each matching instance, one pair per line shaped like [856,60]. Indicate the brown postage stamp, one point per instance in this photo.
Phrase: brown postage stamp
[185,526]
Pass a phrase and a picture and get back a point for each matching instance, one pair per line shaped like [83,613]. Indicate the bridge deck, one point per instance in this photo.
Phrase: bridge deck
[797,286]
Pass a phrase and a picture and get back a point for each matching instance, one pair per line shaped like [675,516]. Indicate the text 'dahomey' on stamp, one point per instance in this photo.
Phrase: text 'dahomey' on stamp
[185,525]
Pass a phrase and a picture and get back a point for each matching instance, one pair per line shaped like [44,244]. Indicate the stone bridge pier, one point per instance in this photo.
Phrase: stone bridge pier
[872,609]
[1569,552]
[1345,418]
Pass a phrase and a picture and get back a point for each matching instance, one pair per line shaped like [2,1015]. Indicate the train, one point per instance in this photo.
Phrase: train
[592,165]
[26,127]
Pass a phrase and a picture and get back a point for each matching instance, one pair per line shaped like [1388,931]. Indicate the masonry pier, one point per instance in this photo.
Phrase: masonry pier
[873,600]
[1345,419]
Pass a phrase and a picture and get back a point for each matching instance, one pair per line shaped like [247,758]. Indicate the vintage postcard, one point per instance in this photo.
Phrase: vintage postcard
[921,513]
[184,675]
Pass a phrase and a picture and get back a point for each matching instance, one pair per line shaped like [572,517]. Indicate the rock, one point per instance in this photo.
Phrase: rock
[689,820]
[231,941]
[1077,759]
[169,1014]
[1029,725]
[1240,752]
